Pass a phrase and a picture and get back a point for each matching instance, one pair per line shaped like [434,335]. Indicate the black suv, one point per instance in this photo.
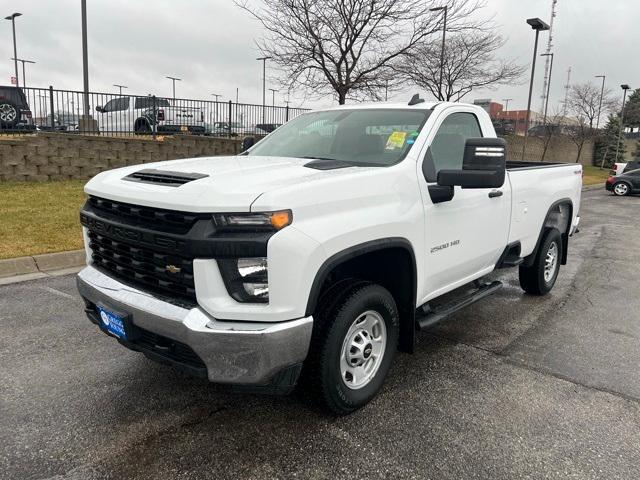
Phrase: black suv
[14,109]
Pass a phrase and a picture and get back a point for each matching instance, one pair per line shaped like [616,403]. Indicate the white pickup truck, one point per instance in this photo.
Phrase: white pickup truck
[136,114]
[315,255]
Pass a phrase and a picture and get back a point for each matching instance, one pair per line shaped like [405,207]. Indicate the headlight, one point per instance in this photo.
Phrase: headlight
[253,221]
[246,279]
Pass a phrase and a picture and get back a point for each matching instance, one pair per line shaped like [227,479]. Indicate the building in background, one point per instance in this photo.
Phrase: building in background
[516,118]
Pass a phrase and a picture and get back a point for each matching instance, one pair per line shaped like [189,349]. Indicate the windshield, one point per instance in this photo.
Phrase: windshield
[378,137]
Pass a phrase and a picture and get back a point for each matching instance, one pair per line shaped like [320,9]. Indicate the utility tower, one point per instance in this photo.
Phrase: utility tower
[543,97]
[566,93]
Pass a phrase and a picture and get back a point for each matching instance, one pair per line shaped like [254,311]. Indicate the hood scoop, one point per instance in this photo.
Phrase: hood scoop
[329,164]
[163,177]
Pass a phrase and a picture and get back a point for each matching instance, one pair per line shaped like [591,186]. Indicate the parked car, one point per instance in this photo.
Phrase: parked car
[625,183]
[265,128]
[15,113]
[136,114]
[504,127]
[323,248]
[623,167]
[63,122]
[222,129]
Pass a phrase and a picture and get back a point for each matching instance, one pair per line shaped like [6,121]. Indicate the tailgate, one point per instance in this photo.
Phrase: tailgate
[184,116]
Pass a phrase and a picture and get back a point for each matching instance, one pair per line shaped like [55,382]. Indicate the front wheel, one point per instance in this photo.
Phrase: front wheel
[352,348]
[621,189]
[540,277]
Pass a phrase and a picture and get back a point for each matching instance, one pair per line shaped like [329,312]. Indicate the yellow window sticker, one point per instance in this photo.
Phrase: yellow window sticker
[396,140]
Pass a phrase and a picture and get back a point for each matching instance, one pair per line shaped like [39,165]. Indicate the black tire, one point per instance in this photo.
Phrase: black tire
[339,311]
[621,189]
[533,279]
[9,114]
[142,127]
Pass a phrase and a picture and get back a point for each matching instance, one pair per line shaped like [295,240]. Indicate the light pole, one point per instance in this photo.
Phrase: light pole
[546,103]
[506,106]
[538,25]
[174,79]
[601,95]
[624,88]
[12,17]
[24,76]
[216,96]
[273,103]
[264,83]
[120,87]
[444,33]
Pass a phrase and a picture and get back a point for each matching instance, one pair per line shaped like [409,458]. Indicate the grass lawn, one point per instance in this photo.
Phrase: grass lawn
[594,175]
[40,217]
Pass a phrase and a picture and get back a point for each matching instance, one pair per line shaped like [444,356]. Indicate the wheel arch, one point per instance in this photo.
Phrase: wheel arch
[560,216]
[391,256]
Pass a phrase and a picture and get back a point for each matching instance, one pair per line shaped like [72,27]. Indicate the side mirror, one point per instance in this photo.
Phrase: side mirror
[247,143]
[99,108]
[484,165]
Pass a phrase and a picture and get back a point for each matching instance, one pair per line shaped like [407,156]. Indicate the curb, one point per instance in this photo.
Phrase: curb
[47,262]
[588,188]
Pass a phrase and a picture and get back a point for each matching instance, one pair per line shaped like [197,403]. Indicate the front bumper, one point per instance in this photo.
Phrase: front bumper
[231,352]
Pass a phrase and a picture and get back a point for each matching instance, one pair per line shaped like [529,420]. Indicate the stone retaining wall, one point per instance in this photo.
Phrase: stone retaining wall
[560,149]
[57,156]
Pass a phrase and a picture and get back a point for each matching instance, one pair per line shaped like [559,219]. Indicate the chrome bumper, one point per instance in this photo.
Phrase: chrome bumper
[234,352]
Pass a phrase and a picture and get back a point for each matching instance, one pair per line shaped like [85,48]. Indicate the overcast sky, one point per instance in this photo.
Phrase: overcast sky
[210,45]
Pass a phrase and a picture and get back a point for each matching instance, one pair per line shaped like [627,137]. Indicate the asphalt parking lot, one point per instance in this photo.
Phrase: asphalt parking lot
[512,387]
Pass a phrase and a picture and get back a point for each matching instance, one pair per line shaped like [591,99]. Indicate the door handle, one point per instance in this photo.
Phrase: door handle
[495,193]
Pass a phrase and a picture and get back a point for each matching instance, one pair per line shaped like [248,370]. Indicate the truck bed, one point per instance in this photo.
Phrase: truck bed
[521,165]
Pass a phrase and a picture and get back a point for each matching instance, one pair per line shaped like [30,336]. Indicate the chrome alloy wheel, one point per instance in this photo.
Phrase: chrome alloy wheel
[621,189]
[551,262]
[7,112]
[362,349]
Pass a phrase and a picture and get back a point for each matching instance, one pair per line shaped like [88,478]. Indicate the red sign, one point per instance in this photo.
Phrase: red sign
[14,81]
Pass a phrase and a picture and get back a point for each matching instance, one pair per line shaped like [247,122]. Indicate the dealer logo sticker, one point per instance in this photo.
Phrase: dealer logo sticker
[104,317]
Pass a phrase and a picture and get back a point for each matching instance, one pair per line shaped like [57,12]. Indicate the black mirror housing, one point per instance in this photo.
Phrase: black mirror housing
[247,143]
[99,108]
[483,165]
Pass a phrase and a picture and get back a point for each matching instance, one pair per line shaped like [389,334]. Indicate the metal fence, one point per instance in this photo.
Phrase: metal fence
[49,109]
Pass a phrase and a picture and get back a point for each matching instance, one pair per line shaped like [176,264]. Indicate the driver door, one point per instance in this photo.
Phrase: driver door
[464,236]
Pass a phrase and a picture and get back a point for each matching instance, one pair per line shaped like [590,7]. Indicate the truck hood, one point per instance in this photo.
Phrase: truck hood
[232,183]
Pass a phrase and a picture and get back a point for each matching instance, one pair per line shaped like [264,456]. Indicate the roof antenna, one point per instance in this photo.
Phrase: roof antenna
[416,99]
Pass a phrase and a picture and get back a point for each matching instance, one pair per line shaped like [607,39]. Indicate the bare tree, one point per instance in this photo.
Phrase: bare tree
[579,133]
[469,63]
[347,47]
[550,129]
[584,102]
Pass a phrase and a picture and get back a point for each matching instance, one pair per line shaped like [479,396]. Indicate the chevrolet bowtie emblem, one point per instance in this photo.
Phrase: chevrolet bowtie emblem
[172,269]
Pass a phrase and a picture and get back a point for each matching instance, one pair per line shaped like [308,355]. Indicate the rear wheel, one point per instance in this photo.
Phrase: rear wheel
[540,277]
[142,127]
[621,189]
[9,114]
[354,341]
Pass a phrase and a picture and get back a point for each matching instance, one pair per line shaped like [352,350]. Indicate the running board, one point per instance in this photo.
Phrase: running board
[442,312]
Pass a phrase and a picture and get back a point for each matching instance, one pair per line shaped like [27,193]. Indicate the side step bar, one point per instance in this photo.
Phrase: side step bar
[431,317]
